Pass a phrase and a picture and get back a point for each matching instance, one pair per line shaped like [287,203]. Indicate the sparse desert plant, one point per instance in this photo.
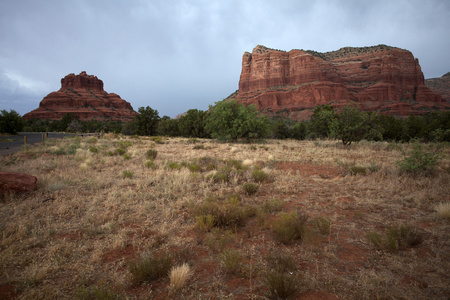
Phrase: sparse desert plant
[281,285]
[92,140]
[232,260]
[419,161]
[119,151]
[95,293]
[172,165]
[205,222]
[151,164]
[289,227]
[222,213]
[395,238]
[126,156]
[179,276]
[357,170]
[93,149]
[323,225]
[127,174]
[272,205]
[151,267]
[259,175]
[251,188]
[443,210]
[151,154]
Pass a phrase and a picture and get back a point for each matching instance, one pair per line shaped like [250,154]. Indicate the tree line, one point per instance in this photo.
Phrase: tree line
[231,120]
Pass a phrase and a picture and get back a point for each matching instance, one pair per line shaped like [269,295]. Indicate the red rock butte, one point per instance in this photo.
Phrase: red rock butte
[380,78]
[83,95]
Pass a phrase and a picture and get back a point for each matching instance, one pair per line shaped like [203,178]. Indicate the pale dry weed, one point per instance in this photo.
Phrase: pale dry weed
[179,276]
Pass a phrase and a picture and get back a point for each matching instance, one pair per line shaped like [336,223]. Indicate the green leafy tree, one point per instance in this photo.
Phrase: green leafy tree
[391,128]
[353,125]
[145,123]
[192,124]
[321,120]
[168,127]
[10,122]
[231,120]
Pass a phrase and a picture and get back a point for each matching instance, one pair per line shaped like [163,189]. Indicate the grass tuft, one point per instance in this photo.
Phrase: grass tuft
[151,267]
[443,210]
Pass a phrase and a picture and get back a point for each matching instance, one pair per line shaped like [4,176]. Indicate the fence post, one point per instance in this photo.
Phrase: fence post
[24,139]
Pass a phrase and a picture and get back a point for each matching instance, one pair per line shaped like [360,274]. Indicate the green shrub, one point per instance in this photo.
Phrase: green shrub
[92,140]
[396,238]
[124,144]
[93,149]
[150,164]
[96,293]
[173,165]
[419,161]
[199,147]
[358,170]
[127,174]
[232,260]
[151,154]
[119,151]
[229,213]
[251,188]
[259,175]
[281,285]
[289,227]
[151,267]
[272,205]
[126,156]
[323,225]
[59,151]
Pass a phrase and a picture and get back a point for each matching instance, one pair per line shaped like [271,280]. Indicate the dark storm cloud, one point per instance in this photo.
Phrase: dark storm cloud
[177,55]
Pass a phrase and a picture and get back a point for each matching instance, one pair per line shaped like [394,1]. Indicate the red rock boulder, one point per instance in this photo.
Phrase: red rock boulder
[17,182]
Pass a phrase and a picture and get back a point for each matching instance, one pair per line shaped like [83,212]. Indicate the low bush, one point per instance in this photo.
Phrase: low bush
[119,151]
[127,174]
[151,267]
[96,292]
[281,285]
[260,176]
[396,238]
[232,260]
[357,170]
[419,161]
[272,205]
[151,154]
[93,149]
[323,225]
[230,213]
[126,156]
[251,188]
[150,164]
[289,227]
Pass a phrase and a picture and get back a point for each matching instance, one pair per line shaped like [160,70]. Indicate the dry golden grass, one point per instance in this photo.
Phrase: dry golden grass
[179,276]
[86,222]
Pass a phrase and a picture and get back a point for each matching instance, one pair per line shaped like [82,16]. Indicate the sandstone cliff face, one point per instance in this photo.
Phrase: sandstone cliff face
[440,86]
[83,95]
[380,78]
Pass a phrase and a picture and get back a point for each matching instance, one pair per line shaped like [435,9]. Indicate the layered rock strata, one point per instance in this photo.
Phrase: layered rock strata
[380,78]
[83,95]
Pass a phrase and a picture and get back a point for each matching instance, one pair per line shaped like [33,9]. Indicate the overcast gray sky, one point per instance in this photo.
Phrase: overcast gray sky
[176,55]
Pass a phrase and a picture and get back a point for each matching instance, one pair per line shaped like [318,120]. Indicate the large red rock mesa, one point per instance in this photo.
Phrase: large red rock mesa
[381,78]
[83,95]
